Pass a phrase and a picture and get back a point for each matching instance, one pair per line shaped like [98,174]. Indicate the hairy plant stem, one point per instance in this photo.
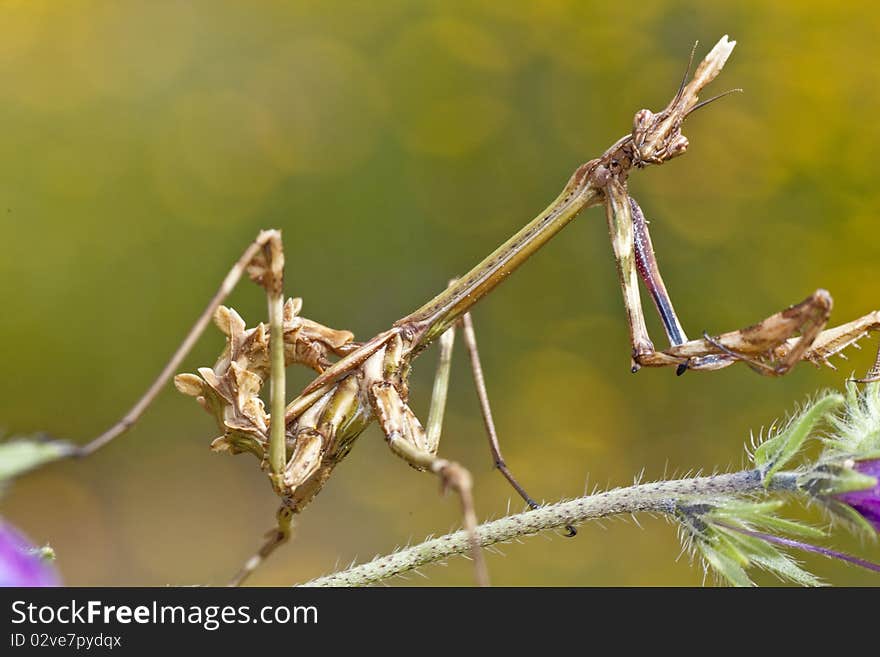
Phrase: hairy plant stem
[656,497]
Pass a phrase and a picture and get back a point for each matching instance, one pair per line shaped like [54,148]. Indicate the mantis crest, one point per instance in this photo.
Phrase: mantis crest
[299,443]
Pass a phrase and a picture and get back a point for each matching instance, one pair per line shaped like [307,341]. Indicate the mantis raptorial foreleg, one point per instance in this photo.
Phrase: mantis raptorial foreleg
[634,253]
[763,340]
[434,425]
[771,347]
[620,227]
[873,374]
[646,263]
[835,340]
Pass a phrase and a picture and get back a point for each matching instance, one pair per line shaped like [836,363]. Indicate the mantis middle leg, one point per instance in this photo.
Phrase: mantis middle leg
[410,441]
[438,400]
[470,340]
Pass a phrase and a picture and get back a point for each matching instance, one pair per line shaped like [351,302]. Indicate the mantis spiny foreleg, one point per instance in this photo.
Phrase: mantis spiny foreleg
[646,263]
[634,253]
[618,211]
[764,339]
[777,343]
[771,347]
[834,340]
[434,425]
[873,374]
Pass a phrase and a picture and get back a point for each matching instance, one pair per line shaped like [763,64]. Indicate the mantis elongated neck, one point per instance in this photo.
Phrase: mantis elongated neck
[435,317]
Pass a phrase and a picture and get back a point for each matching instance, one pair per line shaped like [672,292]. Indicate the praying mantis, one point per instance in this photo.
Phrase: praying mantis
[299,443]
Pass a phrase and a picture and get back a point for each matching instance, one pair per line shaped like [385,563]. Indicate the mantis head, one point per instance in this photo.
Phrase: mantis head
[657,137]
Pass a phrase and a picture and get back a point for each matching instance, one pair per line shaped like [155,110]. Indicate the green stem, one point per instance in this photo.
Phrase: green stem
[656,497]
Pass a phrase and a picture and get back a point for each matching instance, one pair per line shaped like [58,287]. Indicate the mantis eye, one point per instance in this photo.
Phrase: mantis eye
[641,120]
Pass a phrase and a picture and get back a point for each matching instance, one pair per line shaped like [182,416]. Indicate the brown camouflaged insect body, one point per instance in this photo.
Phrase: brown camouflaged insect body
[369,381]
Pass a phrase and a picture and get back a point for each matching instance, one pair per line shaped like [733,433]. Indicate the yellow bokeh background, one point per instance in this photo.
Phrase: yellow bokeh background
[395,143]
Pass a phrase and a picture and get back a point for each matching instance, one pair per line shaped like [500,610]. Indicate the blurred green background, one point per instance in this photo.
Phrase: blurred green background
[396,143]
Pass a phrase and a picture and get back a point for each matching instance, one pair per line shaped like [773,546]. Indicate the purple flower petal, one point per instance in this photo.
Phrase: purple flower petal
[870,467]
[19,564]
[866,502]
